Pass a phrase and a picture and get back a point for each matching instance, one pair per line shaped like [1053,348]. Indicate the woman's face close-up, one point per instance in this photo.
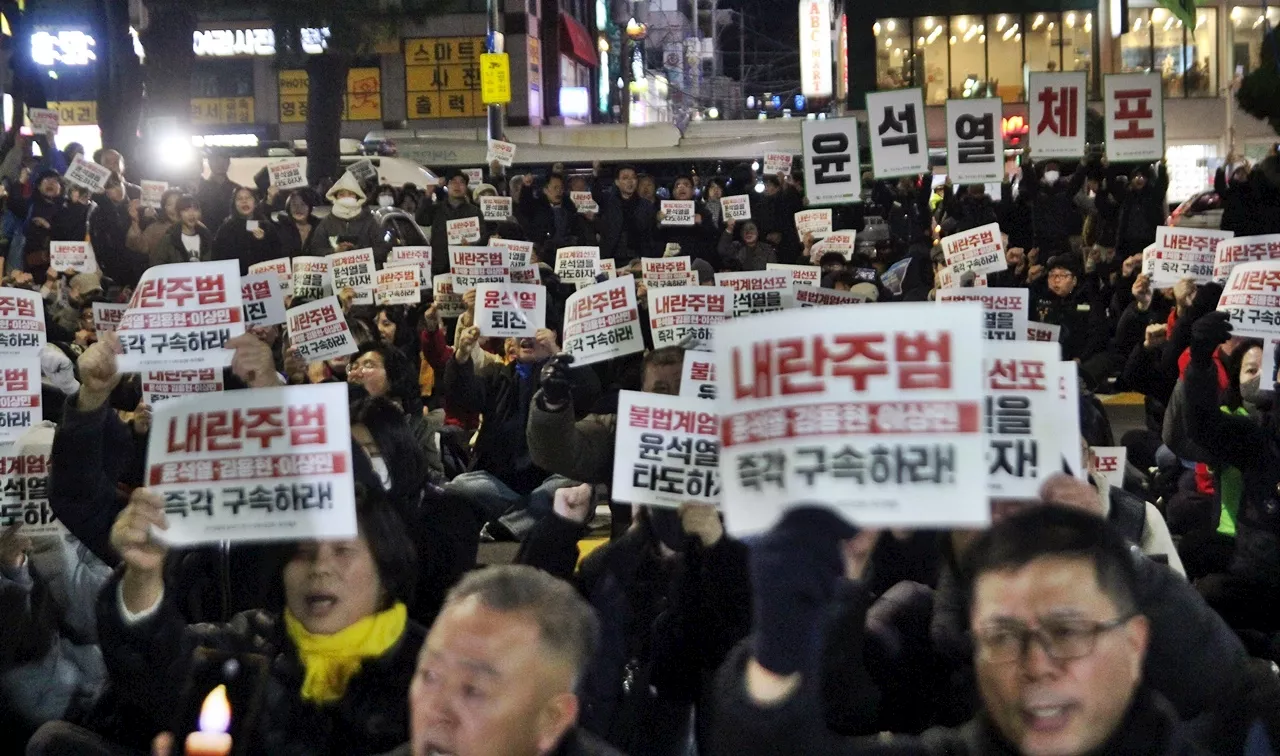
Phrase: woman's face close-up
[331,585]
[370,372]
[386,328]
[245,203]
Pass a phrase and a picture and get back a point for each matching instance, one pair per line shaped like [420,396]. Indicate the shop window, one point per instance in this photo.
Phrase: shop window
[1004,56]
[1077,42]
[1249,27]
[1135,43]
[222,78]
[968,43]
[1202,73]
[893,53]
[1169,54]
[930,68]
[1044,41]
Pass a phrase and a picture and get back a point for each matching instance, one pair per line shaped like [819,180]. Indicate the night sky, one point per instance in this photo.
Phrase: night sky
[772,45]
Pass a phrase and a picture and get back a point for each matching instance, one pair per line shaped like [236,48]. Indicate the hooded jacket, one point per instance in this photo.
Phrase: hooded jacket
[363,229]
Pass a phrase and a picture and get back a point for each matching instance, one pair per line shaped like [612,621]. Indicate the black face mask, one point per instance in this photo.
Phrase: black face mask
[665,526]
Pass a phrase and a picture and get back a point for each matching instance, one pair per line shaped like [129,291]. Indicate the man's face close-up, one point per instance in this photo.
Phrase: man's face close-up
[626,182]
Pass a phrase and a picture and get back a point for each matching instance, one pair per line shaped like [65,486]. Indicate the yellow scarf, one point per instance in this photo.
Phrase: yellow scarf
[332,660]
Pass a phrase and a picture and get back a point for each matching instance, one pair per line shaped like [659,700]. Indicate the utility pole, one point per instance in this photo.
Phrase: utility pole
[496,44]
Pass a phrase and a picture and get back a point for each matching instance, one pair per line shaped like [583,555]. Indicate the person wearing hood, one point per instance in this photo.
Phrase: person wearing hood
[188,240]
[456,206]
[247,234]
[296,230]
[45,209]
[110,224]
[748,250]
[350,225]
[1142,210]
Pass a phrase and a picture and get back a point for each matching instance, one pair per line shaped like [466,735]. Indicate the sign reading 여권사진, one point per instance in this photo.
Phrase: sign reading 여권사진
[398,285]
[319,330]
[979,250]
[1252,298]
[20,406]
[510,310]
[262,299]
[1007,311]
[895,123]
[164,385]
[877,417]
[602,321]
[666,450]
[22,326]
[1021,414]
[688,312]
[472,266]
[182,315]
[698,375]
[312,278]
[759,291]
[1133,106]
[1180,253]
[270,464]
[1242,249]
[831,161]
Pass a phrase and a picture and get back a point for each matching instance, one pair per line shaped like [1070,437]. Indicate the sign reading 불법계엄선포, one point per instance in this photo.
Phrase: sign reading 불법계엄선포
[1007,311]
[666,450]
[1021,416]
[759,291]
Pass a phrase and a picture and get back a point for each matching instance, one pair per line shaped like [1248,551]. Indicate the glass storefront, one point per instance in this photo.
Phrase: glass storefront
[1248,28]
[1155,40]
[979,55]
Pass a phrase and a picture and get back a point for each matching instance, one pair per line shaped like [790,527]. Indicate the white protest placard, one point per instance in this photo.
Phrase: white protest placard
[1044,332]
[1021,417]
[602,321]
[287,174]
[895,124]
[312,278]
[666,450]
[106,316]
[526,274]
[577,263]
[477,265]
[363,171]
[1243,249]
[87,174]
[420,256]
[688,312]
[319,331]
[1133,106]
[162,385]
[736,207]
[609,268]
[474,176]
[43,120]
[668,280]
[759,291]
[398,285]
[980,250]
[447,299]
[831,175]
[654,267]
[24,479]
[813,296]
[72,255]
[975,144]
[271,464]
[503,152]
[583,202]
[496,209]
[1182,253]
[776,163]
[1007,311]
[877,417]
[813,222]
[698,376]
[801,275]
[1058,112]
[20,407]
[353,269]
[281,268]
[677,212]
[1110,462]
[153,193]
[835,241]
[22,327]
[510,309]
[262,299]
[519,253]
[463,230]
[181,316]
[1252,299]
[1069,417]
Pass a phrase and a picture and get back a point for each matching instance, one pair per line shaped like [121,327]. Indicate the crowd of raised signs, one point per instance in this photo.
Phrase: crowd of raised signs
[783,478]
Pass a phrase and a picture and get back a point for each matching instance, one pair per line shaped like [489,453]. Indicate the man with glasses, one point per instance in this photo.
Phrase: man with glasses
[1063,299]
[1059,644]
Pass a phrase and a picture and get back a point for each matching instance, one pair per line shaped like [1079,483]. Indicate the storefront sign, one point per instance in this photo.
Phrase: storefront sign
[815,48]
[442,77]
[230,43]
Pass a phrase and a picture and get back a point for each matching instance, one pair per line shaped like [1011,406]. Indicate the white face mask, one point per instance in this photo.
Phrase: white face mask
[386,200]
[346,208]
[1051,177]
[380,469]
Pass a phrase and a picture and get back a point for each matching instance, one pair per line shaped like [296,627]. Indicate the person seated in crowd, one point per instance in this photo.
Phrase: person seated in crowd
[349,224]
[456,206]
[747,248]
[1063,302]
[339,648]
[247,235]
[189,240]
[296,227]
[383,371]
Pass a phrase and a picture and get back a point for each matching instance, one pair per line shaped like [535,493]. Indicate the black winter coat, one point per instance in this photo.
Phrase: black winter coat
[1083,320]
[234,241]
[1053,209]
[552,228]
[108,232]
[626,227]
[149,662]
[1141,211]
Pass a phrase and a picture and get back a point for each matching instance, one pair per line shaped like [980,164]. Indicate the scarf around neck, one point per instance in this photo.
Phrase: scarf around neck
[331,661]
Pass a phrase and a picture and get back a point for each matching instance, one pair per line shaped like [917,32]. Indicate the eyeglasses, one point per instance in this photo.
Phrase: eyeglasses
[1061,275]
[1062,640]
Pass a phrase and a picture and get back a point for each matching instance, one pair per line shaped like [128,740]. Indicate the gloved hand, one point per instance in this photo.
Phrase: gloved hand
[1207,333]
[1206,300]
[795,569]
[557,386]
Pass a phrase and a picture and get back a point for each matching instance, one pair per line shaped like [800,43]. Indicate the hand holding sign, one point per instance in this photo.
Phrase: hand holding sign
[253,362]
[98,372]
[142,555]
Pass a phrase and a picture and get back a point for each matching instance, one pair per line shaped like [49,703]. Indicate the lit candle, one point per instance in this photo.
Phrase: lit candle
[212,738]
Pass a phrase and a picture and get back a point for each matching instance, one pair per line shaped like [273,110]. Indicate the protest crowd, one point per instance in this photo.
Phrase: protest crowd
[634,464]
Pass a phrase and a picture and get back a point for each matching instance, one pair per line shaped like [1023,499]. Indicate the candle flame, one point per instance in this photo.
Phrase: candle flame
[215,712]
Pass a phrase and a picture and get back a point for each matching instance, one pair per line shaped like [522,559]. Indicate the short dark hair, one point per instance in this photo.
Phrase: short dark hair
[393,553]
[664,357]
[626,167]
[683,177]
[832,258]
[187,202]
[552,177]
[1053,530]
[567,624]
